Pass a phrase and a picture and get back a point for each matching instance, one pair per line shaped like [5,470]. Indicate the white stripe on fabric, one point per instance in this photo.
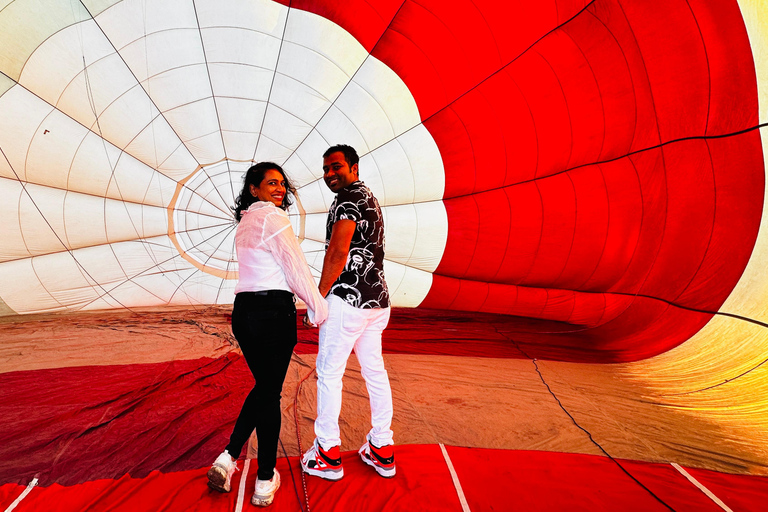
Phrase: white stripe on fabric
[241,490]
[701,487]
[23,495]
[455,478]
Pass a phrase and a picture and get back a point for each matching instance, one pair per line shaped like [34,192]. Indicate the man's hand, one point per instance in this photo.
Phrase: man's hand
[307,323]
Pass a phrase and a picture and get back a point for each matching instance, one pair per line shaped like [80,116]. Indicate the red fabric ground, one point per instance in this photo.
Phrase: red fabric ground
[491,480]
[72,425]
[557,481]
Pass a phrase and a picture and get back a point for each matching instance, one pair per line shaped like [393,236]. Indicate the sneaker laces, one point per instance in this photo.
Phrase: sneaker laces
[310,454]
[228,465]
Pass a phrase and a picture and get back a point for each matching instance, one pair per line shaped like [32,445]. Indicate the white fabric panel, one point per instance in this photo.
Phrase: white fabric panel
[35,284]
[316,61]
[5,84]
[123,221]
[160,43]
[302,101]
[235,53]
[210,239]
[166,93]
[305,165]
[343,128]
[41,219]
[68,156]
[187,92]
[424,160]
[314,252]
[241,115]
[315,197]
[358,105]
[407,170]
[12,246]
[52,220]
[195,121]
[386,90]
[21,120]
[407,286]
[307,82]
[204,201]
[326,38]
[57,65]
[131,20]
[270,149]
[55,73]
[416,234]
[241,46]
[127,117]
[101,169]
[157,142]
[284,127]
[314,226]
[263,16]
[23,290]
[97,6]
[207,147]
[22,28]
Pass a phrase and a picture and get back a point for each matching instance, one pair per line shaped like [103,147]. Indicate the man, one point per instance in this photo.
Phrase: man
[358,303]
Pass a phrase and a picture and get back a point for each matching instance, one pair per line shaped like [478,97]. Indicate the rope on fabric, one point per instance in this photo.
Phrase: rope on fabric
[298,434]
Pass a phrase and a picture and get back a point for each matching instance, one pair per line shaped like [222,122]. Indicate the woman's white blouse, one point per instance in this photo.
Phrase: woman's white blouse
[269,258]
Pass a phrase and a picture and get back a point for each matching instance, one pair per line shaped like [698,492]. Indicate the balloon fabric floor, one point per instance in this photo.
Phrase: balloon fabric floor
[126,410]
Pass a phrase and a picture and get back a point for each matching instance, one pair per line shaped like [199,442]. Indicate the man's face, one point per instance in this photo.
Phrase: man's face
[337,173]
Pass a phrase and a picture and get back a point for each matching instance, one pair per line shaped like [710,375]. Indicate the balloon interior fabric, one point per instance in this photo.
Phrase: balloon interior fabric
[574,196]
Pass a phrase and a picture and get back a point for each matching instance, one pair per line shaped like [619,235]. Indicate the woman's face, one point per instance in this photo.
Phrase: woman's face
[271,188]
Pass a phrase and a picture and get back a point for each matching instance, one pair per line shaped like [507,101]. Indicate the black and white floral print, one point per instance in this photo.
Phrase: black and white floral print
[361,283]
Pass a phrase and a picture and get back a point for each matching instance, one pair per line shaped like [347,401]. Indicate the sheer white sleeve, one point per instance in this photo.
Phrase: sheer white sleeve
[285,248]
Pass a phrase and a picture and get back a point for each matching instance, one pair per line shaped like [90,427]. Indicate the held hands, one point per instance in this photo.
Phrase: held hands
[307,323]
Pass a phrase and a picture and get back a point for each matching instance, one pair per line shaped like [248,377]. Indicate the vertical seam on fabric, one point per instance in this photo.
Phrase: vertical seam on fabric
[455,478]
[241,489]
[701,487]
[23,495]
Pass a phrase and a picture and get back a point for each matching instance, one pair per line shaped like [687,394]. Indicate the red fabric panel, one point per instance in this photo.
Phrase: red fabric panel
[662,222]
[732,100]
[421,478]
[443,49]
[675,62]
[735,220]
[557,481]
[365,20]
[490,480]
[741,492]
[549,118]
[71,425]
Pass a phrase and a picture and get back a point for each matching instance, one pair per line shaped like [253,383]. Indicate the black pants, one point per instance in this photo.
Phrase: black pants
[264,324]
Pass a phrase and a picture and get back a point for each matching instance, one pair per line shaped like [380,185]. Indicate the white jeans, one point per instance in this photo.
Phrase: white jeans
[349,328]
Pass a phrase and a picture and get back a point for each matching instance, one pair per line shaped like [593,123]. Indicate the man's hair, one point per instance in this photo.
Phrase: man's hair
[350,155]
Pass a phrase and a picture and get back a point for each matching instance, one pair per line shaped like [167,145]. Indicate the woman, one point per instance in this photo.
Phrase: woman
[271,264]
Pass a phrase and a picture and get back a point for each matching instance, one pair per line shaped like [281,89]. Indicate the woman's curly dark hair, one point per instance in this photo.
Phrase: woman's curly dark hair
[254,176]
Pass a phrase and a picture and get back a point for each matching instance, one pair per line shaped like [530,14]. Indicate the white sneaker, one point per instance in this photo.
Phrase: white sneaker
[220,474]
[265,491]
[381,459]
